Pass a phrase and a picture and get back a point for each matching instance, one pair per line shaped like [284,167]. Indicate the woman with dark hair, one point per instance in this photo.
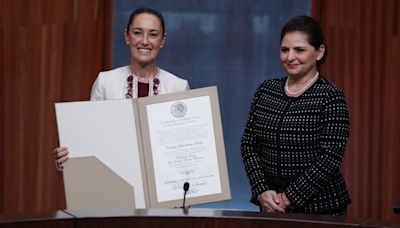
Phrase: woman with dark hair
[297,130]
[145,36]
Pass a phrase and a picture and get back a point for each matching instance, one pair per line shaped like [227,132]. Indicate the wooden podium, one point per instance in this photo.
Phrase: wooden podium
[194,218]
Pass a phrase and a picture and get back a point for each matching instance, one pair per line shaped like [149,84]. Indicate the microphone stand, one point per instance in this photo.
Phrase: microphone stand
[185,189]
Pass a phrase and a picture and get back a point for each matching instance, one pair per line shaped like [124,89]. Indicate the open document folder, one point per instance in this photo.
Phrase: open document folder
[155,144]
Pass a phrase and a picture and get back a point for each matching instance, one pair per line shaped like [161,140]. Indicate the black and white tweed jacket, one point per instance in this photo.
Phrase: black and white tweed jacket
[296,145]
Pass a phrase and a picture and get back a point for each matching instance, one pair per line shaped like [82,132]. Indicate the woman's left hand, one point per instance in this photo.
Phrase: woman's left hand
[271,202]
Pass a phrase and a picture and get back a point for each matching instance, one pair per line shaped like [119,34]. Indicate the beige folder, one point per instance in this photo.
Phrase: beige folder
[125,137]
[90,184]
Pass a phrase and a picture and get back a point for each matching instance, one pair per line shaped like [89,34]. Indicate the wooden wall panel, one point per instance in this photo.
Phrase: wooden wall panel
[2,120]
[50,51]
[364,42]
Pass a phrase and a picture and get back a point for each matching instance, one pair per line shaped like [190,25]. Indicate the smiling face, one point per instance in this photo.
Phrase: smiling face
[298,56]
[145,38]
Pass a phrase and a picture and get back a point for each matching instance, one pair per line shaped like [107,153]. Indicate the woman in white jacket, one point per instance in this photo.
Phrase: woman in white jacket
[145,36]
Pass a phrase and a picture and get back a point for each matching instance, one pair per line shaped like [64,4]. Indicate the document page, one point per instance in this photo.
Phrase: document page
[183,148]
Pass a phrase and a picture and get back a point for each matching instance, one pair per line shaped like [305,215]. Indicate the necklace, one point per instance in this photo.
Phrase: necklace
[133,81]
[302,90]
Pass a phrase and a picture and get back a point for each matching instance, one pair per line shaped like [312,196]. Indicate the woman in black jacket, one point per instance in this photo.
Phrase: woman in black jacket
[297,130]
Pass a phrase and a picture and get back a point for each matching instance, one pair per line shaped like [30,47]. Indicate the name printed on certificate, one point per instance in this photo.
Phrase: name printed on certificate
[183,148]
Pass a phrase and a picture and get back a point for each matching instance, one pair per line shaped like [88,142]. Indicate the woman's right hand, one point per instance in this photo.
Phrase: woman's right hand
[60,155]
[270,201]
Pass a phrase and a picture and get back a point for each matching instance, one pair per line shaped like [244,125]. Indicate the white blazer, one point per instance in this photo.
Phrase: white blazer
[112,84]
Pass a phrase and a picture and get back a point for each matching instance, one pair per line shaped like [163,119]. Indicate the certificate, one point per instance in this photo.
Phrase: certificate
[183,148]
[153,144]
[183,142]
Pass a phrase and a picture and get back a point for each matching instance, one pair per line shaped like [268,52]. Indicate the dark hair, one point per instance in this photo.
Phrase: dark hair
[148,11]
[311,28]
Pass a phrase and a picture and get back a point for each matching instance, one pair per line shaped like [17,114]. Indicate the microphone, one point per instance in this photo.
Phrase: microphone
[185,189]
